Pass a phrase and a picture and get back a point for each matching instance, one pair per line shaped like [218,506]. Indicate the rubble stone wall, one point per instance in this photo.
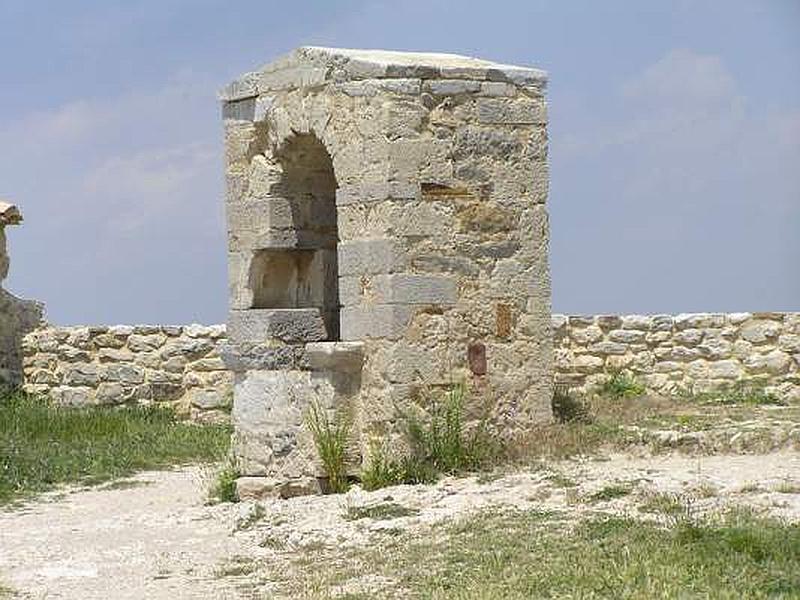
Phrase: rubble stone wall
[141,364]
[683,352]
[144,364]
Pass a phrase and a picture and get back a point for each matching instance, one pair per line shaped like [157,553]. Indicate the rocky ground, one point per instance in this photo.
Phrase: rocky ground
[153,536]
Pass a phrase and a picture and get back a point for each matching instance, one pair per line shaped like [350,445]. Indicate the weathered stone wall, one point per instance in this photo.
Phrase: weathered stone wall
[17,316]
[114,365]
[131,364]
[688,351]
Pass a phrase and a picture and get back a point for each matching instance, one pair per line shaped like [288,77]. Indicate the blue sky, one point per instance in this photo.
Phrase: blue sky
[675,142]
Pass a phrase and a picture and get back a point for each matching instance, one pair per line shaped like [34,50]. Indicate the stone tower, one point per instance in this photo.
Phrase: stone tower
[387,236]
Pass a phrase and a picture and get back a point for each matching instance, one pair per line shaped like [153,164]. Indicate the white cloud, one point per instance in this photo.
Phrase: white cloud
[683,130]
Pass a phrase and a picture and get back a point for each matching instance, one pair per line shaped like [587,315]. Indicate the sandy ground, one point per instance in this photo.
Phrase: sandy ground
[158,539]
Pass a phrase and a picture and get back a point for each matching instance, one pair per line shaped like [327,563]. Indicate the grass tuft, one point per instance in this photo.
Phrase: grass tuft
[621,384]
[223,488]
[378,512]
[567,408]
[330,438]
[43,445]
[437,444]
[744,391]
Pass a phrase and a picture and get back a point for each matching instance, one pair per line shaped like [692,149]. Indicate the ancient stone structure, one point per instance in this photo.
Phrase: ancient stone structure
[387,236]
[17,317]
[666,353]
[687,352]
[131,364]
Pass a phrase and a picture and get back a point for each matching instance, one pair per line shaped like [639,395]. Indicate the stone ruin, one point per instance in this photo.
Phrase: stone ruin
[17,317]
[387,237]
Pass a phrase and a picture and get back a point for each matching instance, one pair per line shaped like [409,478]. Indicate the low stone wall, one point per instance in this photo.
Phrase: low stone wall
[124,364]
[688,351]
[182,365]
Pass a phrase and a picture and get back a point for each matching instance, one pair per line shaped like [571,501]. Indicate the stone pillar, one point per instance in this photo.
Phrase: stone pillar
[17,317]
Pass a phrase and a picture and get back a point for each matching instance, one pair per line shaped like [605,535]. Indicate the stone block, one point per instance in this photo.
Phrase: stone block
[207,398]
[286,324]
[627,336]
[450,87]
[699,321]
[125,373]
[83,375]
[774,363]
[245,357]
[760,331]
[640,322]
[497,111]
[335,356]
[257,488]
[387,321]
[371,257]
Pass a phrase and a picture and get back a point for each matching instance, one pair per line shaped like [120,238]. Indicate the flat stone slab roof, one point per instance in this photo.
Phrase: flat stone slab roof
[310,66]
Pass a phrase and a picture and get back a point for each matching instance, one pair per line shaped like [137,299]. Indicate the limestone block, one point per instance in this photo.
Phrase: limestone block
[83,375]
[451,87]
[375,321]
[587,335]
[287,324]
[627,336]
[207,398]
[114,355]
[521,111]
[400,288]
[725,369]
[760,331]
[113,393]
[605,348]
[699,321]
[775,362]
[497,89]
[580,320]
[586,363]
[244,357]
[125,373]
[688,337]
[335,356]
[142,343]
[371,257]
[789,342]
[715,348]
[607,322]
[739,318]
[257,488]
[72,396]
[640,322]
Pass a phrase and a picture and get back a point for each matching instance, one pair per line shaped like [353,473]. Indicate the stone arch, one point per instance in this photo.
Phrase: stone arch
[299,266]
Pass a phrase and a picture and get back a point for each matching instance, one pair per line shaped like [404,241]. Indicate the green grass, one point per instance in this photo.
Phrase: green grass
[621,385]
[379,512]
[538,555]
[744,391]
[438,443]
[613,491]
[330,439]
[223,488]
[42,446]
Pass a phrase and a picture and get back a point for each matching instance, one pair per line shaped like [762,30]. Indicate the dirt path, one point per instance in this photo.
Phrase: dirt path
[153,539]
[158,540]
